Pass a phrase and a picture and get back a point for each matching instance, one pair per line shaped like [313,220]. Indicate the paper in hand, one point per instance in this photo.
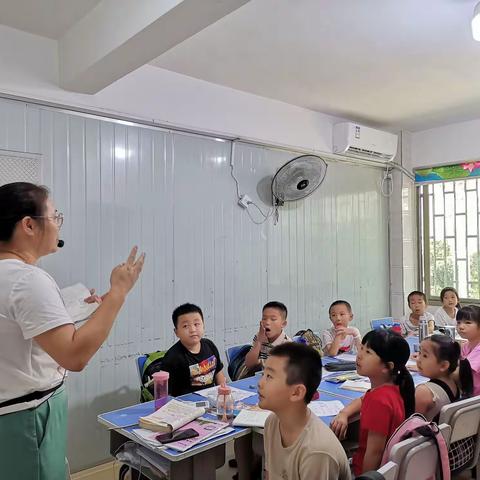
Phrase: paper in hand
[74,300]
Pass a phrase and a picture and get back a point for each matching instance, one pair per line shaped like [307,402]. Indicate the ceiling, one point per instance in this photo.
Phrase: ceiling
[397,64]
[410,64]
[47,18]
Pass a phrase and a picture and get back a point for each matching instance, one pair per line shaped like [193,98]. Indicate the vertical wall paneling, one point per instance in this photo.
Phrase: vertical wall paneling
[173,195]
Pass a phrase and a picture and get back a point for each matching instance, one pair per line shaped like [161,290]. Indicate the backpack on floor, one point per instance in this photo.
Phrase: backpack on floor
[309,338]
[153,363]
[417,426]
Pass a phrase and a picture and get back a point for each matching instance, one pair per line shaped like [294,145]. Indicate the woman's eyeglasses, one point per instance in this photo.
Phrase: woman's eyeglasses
[57,218]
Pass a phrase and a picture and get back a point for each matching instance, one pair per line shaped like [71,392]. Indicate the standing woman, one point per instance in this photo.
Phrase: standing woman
[38,340]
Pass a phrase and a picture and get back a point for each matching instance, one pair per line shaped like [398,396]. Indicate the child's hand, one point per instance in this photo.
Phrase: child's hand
[339,425]
[341,333]
[352,331]
[262,335]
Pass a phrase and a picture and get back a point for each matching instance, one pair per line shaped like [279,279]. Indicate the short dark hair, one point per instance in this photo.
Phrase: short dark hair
[340,302]
[416,292]
[469,312]
[19,200]
[278,305]
[304,366]
[183,310]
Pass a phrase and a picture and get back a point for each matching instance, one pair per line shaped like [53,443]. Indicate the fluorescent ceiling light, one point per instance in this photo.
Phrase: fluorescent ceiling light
[476,23]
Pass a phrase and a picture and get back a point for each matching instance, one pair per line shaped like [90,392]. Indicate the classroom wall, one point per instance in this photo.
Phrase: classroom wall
[453,143]
[173,194]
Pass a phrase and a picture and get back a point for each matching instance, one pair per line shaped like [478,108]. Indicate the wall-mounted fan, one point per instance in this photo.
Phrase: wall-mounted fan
[298,178]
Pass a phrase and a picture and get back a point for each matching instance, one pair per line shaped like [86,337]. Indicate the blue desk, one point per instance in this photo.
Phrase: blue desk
[126,420]
[197,463]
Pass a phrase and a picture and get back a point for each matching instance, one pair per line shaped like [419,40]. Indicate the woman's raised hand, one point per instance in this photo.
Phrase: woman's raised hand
[125,275]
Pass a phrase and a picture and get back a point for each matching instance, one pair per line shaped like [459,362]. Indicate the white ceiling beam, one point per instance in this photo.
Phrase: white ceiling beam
[118,36]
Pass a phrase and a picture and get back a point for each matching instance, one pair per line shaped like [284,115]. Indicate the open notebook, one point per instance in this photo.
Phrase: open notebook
[251,418]
[171,416]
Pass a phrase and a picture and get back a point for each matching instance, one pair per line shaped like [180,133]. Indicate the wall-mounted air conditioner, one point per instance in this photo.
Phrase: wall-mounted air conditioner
[356,140]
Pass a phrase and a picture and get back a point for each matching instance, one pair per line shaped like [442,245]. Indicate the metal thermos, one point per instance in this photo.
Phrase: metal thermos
[422,329]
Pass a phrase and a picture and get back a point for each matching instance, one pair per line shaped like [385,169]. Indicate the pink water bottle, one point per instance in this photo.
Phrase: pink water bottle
[160,388]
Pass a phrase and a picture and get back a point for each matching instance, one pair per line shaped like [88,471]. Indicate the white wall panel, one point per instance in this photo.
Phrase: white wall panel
[173,195]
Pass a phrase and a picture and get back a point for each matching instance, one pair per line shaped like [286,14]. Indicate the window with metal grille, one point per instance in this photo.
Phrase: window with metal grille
[450,241]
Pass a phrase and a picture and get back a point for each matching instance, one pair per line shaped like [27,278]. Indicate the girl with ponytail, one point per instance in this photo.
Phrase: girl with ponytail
[382,358]
[439,360]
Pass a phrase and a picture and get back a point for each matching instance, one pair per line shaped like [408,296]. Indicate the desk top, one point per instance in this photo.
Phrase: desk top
[125,420]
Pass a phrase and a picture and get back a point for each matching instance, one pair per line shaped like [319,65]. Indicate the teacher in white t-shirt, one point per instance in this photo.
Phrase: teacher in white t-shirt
[38,340]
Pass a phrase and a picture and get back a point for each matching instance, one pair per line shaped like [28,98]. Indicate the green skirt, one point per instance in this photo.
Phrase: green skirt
[33,442]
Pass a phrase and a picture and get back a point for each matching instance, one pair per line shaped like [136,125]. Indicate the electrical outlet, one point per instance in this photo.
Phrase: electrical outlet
[244,201]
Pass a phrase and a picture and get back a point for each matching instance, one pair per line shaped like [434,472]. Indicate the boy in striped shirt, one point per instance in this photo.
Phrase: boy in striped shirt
[270,334]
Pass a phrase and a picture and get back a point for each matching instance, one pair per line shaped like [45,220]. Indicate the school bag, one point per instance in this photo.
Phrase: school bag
[417,426]
[309,338]
[153,363]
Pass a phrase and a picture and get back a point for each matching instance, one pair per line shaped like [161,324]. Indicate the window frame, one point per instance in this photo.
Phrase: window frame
[423,232]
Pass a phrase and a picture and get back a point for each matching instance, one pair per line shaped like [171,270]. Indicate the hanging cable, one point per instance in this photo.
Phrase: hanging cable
[271,211]
[387,183]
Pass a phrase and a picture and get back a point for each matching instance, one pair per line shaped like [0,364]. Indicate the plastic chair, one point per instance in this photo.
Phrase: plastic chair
[140,363]
[464,419]
[232,352]
[235,356]
[417,458]
[387,472]
[385,322]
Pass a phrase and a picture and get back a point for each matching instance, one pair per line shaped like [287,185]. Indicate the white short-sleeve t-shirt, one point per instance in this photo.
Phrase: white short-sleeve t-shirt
[442,318]
[30,304]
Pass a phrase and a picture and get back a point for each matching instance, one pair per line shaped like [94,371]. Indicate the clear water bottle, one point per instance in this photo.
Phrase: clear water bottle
[224,403]
[160,388]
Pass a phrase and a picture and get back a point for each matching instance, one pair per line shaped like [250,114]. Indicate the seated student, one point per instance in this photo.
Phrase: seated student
[446,314]
[438,359]
[341,338]
[382,358]
[270,334]
[193,362]
[298,445]
[468,327]
[417,301]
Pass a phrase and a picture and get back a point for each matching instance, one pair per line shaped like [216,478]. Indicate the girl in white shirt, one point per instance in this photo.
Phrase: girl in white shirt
[447,313]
